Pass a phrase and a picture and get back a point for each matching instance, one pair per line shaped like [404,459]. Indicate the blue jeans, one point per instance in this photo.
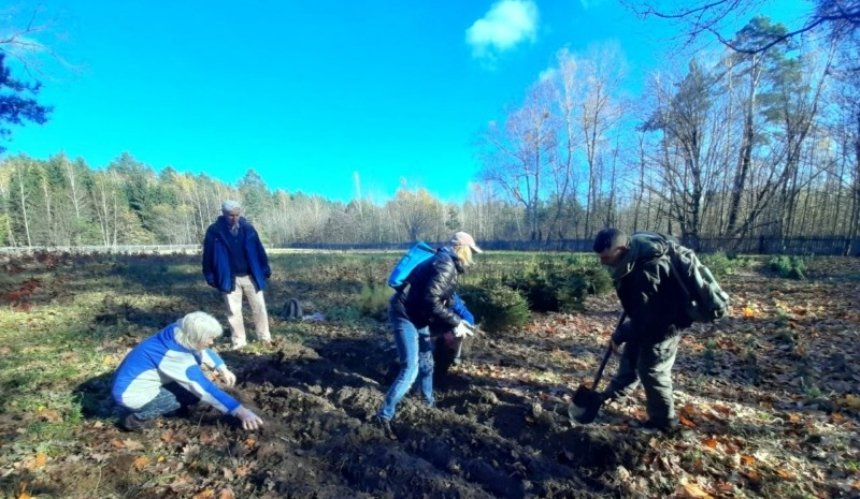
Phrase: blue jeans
[416,360]
[170,398]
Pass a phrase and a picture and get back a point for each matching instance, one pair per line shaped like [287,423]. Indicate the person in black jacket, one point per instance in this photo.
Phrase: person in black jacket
[235,263]
[654,303]
[414,309]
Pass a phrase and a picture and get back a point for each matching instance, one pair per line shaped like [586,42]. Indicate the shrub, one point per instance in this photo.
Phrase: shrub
[496,307]
[596,278]
[789,267]
[719,263]
[552,287]
[372,301]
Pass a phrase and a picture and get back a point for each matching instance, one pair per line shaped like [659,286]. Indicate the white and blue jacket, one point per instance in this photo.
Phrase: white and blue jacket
[160,360]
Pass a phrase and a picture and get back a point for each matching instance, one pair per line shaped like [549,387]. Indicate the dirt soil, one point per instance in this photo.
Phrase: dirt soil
[500,426]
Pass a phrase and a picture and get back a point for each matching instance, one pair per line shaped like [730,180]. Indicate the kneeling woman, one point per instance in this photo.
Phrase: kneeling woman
[163,374]
[425,302]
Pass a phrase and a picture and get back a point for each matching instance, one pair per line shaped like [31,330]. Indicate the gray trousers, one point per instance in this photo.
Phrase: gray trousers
[652,365]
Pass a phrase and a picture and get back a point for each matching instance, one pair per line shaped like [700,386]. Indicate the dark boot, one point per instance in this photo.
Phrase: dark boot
[133,423]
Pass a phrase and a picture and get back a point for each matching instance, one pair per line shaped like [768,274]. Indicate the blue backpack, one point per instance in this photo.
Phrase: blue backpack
[418,253]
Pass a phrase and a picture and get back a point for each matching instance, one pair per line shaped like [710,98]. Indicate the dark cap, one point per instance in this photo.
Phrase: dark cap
[609,238]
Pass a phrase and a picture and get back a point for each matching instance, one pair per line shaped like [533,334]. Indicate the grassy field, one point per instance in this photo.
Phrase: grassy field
[770,396]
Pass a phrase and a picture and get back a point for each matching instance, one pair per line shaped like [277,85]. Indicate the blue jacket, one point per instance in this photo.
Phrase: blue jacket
[459,308]
[160,360]
[216,256]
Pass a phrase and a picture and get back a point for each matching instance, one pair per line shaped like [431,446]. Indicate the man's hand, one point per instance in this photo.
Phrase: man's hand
[616,347]
[463,329]
[250,421]
[227,375]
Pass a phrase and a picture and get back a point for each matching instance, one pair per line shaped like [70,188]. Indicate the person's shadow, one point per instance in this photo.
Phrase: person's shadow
[95,398]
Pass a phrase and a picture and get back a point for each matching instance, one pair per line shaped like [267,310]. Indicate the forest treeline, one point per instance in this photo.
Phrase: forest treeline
[735,144]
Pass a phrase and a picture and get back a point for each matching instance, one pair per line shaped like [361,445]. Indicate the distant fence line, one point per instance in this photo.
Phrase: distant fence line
[755,245]
[118,249]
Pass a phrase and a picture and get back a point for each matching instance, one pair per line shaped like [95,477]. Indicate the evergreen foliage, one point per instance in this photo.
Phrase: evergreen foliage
[496,307]
[16,107]
[789,267]
[551,286]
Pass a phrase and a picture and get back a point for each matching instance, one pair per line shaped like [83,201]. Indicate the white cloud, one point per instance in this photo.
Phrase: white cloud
[505,25]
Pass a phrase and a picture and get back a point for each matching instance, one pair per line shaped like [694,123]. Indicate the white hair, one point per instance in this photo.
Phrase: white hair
[230,205]
[197,327]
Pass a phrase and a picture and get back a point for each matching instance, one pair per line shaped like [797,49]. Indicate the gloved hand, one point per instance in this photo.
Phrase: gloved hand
[463,329]
[227,375]
[250,421]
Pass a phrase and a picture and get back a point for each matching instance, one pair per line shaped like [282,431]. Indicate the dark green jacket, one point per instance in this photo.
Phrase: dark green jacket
[649,293]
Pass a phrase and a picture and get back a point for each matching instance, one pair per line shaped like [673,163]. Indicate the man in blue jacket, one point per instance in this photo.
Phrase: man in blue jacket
[235,263]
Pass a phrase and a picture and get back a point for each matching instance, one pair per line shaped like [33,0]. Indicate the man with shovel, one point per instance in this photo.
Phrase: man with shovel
[653,302]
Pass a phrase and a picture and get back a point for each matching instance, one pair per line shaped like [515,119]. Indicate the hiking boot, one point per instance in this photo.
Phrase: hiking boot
[669,428]
[237,346]
[133,423]
[385,426]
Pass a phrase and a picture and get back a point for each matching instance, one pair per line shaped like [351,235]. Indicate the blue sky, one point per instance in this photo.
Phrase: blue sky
[309,92]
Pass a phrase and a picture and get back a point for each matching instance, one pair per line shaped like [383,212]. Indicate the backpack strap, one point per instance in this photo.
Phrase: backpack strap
[669,254]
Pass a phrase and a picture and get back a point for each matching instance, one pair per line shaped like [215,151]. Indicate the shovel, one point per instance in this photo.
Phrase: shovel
[587,401]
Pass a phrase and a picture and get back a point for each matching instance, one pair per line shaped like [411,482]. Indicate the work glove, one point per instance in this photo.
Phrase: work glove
[227,375]
[463,329]
[250,421]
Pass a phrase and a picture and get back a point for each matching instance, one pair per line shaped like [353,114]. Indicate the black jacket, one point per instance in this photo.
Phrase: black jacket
[652,299]
[432,284]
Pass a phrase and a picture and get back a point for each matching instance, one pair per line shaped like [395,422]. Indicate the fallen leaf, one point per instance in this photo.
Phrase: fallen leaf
[140,463]
[710,443]
[207,437]
[747,460]
[50,415]
[226,494]
[686,422]
[242,470]
[784,474]
[748,313]
[36,462]
[850,401]
[204,494]
[693,491]
[22,491]
[167,436]
[724,410]
[132,444]
[725,488]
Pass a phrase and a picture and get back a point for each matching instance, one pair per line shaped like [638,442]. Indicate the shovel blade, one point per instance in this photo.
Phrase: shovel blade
[586,404]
